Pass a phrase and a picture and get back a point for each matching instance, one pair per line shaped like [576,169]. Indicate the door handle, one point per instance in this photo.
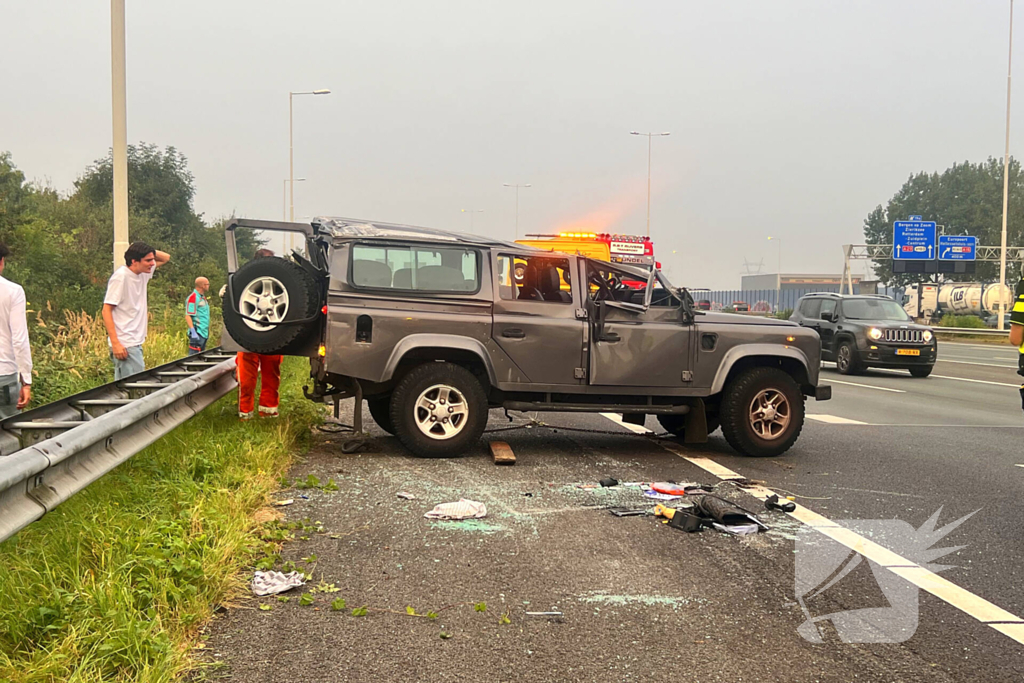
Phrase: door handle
[513,333]
[609,337]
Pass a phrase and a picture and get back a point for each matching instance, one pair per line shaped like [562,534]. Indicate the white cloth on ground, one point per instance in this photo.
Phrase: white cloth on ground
[271,583]
[464,509]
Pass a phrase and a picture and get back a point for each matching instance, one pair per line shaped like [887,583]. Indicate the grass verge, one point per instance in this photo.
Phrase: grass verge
[115,583]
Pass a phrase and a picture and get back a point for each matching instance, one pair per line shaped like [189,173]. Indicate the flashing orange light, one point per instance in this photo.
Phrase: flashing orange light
[580,235]
[791,339]
[322,351]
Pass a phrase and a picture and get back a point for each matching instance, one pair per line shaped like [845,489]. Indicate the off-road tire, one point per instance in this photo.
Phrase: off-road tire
[851,363]
[676,424]
[921,371]
[404,409]
[303,303]
[380,411]
[735,411]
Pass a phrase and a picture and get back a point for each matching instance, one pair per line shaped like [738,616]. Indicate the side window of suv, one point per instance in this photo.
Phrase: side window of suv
[828,306]
[810,308]
[534,278]
[419,268]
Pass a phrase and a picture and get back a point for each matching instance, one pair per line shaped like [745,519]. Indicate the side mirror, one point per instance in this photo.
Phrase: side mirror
[827,317]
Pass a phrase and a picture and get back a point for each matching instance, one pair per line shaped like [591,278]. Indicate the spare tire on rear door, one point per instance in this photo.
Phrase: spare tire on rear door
[268,291]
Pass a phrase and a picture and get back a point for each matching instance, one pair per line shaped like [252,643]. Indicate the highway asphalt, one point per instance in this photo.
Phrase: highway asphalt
[641,601]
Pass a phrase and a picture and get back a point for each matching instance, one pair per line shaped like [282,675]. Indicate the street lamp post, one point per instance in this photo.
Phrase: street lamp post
[284,197]
[1006,181]
[517,186]
[778,277]
[291,146]
[119,148]
[649,136]
[471,212]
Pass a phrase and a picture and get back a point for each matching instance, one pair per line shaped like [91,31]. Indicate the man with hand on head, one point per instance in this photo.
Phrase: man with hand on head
[126,307]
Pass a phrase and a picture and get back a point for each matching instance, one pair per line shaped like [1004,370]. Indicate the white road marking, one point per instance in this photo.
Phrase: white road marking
[834,420]
[967,362]
[973,605]
[617,419]
[866,386]
[959,379]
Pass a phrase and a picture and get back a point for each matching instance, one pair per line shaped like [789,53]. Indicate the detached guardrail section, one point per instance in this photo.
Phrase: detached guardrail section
[977,331]
[51,453]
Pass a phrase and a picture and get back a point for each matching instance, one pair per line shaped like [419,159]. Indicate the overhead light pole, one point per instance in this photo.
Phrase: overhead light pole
[284,196]
[1006,182]
[649,136]
[778,277]
[119,148]
[471,212]
[517,186]
[291,149]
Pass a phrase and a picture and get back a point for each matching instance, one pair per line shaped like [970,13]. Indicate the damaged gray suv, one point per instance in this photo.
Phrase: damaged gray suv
[434,328]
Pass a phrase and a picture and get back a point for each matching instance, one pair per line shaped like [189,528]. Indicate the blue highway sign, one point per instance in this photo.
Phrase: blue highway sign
[958,248]
[913,240]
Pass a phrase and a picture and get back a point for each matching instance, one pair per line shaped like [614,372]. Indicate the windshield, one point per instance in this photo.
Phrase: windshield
[874,309]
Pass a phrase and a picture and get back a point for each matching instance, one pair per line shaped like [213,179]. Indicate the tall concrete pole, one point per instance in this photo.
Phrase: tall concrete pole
[1006,182]
[120,121]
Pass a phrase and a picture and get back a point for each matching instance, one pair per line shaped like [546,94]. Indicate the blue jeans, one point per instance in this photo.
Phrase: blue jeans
[131,365]
[194,347]
[10,387]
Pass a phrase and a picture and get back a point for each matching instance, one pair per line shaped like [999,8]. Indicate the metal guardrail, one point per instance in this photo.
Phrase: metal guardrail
[50,453]
[978,331]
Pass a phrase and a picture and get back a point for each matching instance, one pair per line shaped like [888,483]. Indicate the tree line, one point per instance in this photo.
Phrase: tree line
[967,199]
[62,244]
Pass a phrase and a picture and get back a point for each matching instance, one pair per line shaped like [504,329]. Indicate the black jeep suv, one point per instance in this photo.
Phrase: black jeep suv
[859,332]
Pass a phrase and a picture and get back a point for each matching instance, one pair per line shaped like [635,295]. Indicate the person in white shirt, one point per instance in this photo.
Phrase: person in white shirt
[126,307]
[15,352]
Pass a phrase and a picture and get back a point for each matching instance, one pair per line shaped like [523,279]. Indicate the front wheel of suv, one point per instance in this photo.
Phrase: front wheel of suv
[439,410]
[762,412]
[922,371]
[847,361]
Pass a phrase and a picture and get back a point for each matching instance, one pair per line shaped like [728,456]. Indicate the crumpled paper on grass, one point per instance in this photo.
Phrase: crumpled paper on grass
[464,509]
[272,583]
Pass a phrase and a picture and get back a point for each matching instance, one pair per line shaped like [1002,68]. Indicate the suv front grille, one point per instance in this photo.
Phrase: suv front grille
[904,336]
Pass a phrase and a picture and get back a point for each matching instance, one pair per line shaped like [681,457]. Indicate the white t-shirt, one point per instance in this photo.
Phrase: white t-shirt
[126,292]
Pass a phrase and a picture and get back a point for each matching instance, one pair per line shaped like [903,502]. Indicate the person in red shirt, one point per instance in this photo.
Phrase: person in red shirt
[250,367]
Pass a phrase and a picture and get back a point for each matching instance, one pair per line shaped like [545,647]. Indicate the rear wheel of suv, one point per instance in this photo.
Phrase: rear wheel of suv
[847,361]
[762,412]
[380,411]
[922,371]
[268,291]
[438,410]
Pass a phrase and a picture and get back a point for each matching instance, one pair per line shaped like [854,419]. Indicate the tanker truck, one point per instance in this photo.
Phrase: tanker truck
[928,301]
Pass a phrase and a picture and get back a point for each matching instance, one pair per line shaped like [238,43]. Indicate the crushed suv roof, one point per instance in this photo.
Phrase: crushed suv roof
[357,228]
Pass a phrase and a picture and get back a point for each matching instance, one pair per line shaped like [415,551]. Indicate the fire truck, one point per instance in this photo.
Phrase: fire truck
[636,250]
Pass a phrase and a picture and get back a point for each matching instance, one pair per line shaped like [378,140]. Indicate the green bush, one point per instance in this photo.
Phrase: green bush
[116,582]
[950,320]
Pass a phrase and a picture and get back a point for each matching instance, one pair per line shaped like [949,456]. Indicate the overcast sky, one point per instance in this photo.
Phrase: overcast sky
[791,118]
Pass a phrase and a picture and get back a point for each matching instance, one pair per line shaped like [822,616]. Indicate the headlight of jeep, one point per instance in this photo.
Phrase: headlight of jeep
[928,336]
[875,333]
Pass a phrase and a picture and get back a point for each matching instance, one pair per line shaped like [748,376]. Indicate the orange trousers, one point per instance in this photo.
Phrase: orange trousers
[250,365]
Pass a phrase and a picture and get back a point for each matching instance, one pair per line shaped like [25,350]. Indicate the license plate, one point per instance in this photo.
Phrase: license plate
[908,352]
